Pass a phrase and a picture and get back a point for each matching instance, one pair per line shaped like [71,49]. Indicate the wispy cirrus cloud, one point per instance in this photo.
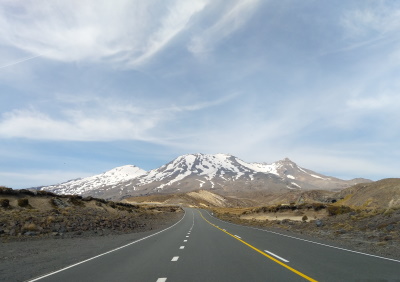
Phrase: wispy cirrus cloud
[98,120]
[128,32]
[378,102]
[373,20]
[234,16]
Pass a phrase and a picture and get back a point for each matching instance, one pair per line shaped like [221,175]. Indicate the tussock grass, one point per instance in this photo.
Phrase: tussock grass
[24,203]
[4,203]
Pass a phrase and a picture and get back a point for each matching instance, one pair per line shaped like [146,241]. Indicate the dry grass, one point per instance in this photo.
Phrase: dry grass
[23,203]
[4,203]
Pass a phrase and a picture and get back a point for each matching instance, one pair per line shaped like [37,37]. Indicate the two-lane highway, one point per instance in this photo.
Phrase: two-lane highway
[202,248]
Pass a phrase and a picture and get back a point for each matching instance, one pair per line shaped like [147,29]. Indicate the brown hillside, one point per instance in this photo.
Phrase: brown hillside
[384,193]
[200,198]
[41,214]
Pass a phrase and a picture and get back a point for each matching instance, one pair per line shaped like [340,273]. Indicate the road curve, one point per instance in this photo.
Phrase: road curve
[202,248]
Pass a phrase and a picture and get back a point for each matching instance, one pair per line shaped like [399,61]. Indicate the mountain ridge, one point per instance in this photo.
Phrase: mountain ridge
[220,172]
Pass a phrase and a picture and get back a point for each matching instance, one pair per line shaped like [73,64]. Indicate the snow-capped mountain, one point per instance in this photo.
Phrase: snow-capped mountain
[220,172]
[86,185]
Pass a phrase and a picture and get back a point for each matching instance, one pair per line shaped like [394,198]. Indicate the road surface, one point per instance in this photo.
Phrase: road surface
[203,248]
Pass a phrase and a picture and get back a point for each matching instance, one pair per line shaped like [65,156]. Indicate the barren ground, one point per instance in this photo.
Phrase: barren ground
[374,232]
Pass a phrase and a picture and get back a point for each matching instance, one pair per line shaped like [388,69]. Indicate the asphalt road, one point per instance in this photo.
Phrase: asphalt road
[203,248]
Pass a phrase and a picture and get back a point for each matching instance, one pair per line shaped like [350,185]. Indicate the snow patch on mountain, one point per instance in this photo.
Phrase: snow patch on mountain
[261,167]
[295,184]
[195,171]
[108,178]
[316,176]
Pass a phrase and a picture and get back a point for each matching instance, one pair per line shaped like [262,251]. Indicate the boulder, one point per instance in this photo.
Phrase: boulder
[319,223]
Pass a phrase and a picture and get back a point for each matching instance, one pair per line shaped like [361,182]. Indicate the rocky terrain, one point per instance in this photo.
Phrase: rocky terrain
[196,199]
[384,193]
[365,217]
[373,232]
[221,173]
[60,229]
[42,232]
[25,214]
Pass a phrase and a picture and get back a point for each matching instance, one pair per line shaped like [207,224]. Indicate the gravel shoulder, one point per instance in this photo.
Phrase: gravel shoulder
[377,234]
[25,259]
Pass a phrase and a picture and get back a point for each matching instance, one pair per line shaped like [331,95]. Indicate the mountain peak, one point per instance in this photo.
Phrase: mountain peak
[286,160]
[128,170]
[190,172]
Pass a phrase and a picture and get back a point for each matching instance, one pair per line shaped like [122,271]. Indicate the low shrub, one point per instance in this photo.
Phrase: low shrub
[26,192]
[5,203]
[76,201]
[50,219]
[7,191]
[53,203]
[336,210]
[45,193]
[24,202]
[318,206]
[30,227]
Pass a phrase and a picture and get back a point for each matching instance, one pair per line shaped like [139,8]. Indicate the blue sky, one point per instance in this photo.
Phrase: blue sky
[86,86]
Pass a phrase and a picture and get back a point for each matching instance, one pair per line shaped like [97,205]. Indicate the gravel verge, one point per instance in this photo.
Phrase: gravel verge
[379,242]
[21,260]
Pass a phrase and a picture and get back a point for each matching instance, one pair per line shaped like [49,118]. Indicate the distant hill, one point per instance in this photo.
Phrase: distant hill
[200,198]
[384,193]
[381,194]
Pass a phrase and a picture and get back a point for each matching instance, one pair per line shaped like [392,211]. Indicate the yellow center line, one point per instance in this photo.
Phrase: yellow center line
[261,252]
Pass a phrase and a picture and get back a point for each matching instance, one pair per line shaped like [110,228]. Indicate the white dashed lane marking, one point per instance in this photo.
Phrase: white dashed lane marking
[174,258]
[181,247]
[237,236]
[161,279]
[184,240]
[272,254]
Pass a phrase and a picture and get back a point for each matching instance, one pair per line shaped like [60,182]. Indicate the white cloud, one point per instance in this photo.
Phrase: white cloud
[373,103]
[234,17]
[124,31]
[19,61]
[28,179]
[377,19]
[343,165]
[99,120]
[78,125]
[174,22]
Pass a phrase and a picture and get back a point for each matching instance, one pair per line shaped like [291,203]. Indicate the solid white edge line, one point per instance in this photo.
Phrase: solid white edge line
[161,279]
[175,259]
[113,250]
[321,244]
[272,254]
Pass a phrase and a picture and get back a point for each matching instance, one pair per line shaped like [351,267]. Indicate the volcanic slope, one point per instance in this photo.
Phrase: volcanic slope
[384,194]
[85,186]
[222,173]
[199,198]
